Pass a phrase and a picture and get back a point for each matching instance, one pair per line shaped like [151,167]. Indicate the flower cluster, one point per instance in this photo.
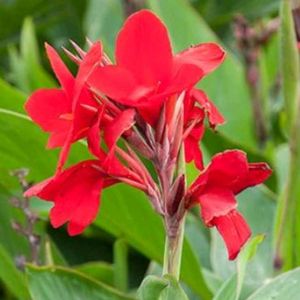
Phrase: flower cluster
[147,99]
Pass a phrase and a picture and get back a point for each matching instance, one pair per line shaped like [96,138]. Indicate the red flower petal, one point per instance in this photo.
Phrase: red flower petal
[144,48]
[58,138]
[46,107]
[183,78]
[192,146]
[118,126]
[75,193]
[257,173]
[87,65]
[113,81]
[224,170]
[62,73]
[215,202]
[234,231]
[206,56]
[94,137]
[214,116]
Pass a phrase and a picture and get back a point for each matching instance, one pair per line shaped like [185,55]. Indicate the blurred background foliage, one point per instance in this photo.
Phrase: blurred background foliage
[126,241]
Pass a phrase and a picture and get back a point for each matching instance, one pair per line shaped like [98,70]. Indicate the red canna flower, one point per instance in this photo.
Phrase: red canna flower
[76,193]
[149,100]
[146,70]
[215,189]
[68,112]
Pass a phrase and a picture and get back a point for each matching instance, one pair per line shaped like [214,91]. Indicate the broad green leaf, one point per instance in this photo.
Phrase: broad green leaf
[152,287]
[126,213]
[225,86]
[173,291]
[157,288]
[103,19]
[248,252]
[23,142]
[257,205]
[51,283]
[232,287]
[12,278]
[56,22]
[26,69]
[220,14]
[284,286]
[100,271]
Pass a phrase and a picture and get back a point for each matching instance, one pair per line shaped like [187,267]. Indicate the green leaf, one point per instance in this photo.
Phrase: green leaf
[27,71]
[103,19]
[101,271]
[23,142]
[12,278]
[232,288]
[156,288]
[52,283]
[151,288]
[231,96]
[220,14]
[247,253]
[127,213]
[258,207]
[284,286]
[173,291]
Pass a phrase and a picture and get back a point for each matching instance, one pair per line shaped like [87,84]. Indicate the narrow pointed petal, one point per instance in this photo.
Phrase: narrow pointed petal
[116,128]
[144,48]
[88,63]
[94,137]
[62,73]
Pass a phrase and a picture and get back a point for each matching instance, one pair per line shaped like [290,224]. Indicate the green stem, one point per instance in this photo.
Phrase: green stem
[173,249]
[287,231]
[121,265]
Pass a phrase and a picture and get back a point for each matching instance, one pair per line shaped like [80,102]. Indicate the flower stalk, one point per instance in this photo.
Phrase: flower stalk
[173,248]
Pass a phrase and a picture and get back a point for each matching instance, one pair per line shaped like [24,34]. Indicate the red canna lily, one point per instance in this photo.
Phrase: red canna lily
[67,113]
[76,193]
[146,70]
[147,98]
[215,189]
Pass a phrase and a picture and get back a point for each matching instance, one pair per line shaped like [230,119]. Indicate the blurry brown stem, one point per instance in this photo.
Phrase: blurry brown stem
[27,229]
[250,42]
[131,6]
